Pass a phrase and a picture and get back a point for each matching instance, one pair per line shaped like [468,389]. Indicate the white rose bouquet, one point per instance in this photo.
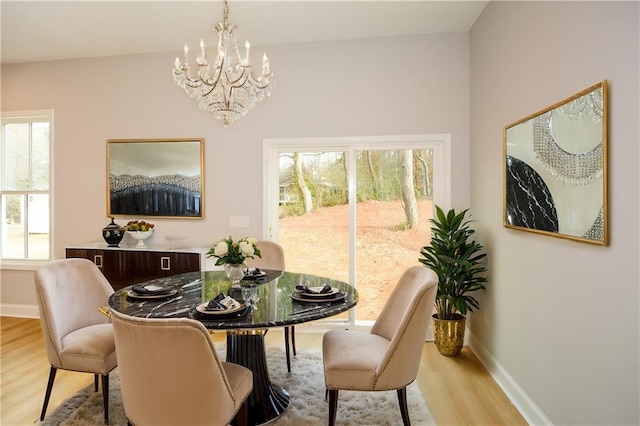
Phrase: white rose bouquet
[228,251]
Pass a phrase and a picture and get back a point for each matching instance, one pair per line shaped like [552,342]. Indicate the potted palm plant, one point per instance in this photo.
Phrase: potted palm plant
[458,262]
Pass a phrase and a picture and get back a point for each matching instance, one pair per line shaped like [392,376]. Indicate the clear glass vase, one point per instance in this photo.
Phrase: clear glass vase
[235,272]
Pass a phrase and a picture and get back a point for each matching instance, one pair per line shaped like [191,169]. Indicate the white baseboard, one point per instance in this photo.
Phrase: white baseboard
[529,410]
[19,311]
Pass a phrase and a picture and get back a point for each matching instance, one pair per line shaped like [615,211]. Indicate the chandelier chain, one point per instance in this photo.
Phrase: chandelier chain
[225,13]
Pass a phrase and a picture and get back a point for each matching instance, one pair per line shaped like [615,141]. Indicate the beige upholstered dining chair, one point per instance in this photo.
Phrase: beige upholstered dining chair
[77,337]
[170,374]
[387,357]
[273,258]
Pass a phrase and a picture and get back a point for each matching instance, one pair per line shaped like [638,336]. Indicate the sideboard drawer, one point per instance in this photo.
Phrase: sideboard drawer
[126,267]
[149,265]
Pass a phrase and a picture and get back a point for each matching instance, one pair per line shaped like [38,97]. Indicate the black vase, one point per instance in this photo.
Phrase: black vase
[113,234]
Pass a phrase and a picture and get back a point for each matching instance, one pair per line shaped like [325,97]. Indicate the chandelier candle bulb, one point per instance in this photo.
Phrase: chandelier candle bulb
[247,45]
[202,48]
[240,63]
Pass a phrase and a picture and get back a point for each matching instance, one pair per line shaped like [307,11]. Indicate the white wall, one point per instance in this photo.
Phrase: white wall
[562,317]
[391,86]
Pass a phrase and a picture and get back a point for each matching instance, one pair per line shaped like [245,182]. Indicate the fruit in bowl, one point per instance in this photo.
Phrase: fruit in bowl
[139,230]
[139,225]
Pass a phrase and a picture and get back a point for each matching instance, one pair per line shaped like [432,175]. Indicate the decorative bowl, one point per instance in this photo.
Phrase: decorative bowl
[140,236]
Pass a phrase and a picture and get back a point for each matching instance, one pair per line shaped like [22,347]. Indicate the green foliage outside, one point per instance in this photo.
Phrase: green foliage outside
[379,176]
[25,165]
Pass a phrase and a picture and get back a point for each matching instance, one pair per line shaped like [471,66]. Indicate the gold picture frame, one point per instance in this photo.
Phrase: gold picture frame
[160,178]
[555,174]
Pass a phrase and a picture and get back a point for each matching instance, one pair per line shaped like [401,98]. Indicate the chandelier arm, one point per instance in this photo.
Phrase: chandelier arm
[212,88]
[244,76]
[215,82]
[228,98]
[257,84]
[193,83]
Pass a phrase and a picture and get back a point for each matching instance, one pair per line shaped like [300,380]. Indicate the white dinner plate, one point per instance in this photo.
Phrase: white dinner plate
[152,289]
[331,298]
[236,307]
[135,295]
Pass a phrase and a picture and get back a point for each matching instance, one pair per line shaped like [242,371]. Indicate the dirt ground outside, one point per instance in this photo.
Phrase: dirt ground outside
[317,243]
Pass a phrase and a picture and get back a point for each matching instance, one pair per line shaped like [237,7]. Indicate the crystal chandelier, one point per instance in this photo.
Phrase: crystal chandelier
[226,88]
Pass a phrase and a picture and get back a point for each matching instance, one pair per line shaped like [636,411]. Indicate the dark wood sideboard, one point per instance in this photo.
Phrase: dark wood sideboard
[127,266]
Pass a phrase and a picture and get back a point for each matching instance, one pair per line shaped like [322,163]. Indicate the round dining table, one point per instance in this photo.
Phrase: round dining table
[278,303]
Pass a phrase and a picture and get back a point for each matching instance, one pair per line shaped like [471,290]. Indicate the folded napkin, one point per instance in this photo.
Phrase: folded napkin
[304,289]
[250,272]
[221,303]
[151,289]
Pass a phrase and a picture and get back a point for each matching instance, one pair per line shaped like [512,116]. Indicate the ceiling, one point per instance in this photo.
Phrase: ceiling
[51,30]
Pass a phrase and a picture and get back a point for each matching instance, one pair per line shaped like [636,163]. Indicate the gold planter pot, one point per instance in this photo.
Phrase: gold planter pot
[449,334]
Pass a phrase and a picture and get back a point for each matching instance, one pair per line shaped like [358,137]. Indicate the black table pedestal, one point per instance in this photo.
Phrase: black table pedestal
[267,401]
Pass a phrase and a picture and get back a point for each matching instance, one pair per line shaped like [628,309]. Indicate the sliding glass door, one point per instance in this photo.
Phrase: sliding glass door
[353,210]
[392,212]
[313,211]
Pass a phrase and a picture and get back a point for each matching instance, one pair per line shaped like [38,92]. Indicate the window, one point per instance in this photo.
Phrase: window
[25,185]
[338,206]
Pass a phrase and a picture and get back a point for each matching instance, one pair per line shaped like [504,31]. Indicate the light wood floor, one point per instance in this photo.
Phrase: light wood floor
[458,390]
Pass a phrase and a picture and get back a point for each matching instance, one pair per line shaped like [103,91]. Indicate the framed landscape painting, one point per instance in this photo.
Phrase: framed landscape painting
[556,169]
[155,177]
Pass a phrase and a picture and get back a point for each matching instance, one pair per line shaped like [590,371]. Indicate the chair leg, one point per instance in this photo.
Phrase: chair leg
[105,397]
[404,409]
[95,382]
[293,338]
[47,395]
[333,406]
[286,348]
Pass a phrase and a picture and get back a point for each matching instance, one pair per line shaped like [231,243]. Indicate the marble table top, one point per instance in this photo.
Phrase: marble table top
[275,308]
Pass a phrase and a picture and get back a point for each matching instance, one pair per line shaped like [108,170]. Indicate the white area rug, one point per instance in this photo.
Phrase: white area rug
[305,384]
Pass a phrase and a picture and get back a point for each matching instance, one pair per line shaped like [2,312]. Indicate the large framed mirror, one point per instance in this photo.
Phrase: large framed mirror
[556,169]
[155,178]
